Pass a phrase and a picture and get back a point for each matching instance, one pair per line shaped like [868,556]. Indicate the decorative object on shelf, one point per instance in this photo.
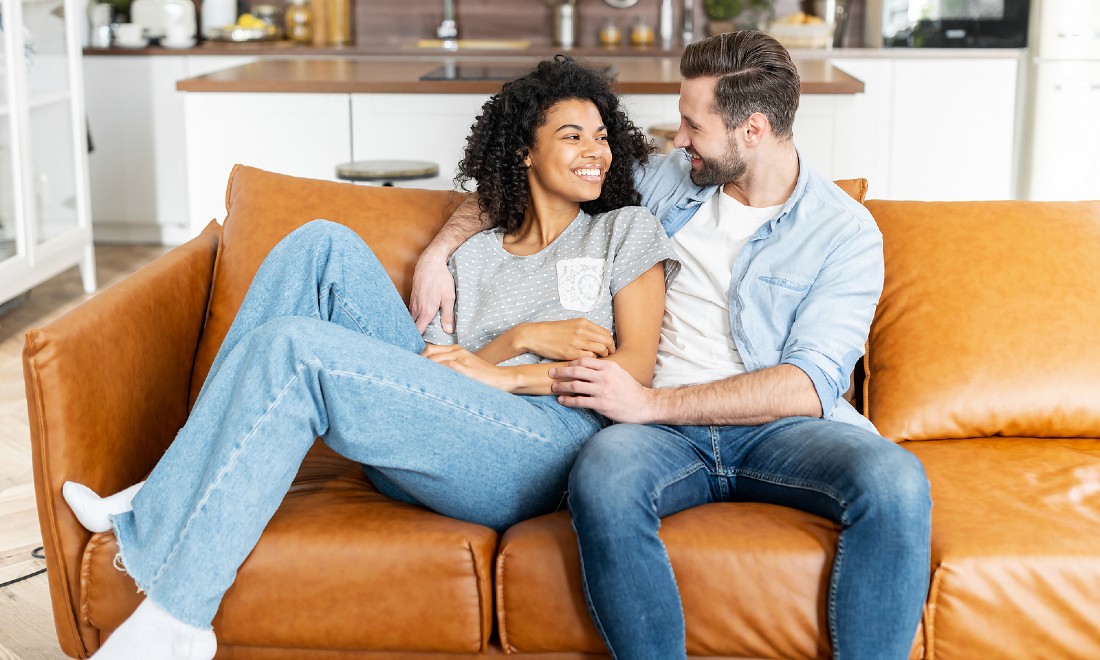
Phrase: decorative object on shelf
[729,15]
[563,15]
[299,22]
[621,4]
[339,22]
[217,15]
[641,35]
[664,23]
[800,30]
[99,19]
[720,15]
[610,34]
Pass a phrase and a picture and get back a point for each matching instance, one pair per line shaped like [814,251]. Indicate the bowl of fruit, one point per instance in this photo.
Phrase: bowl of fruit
[801,30]
[247,28]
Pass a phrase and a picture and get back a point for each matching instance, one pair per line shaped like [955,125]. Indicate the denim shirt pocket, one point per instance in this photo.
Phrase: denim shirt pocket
[778,296]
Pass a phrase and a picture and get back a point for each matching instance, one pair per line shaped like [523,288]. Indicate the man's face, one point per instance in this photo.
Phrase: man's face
[716,157]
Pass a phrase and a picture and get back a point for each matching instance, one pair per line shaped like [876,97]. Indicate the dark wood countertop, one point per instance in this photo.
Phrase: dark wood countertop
[363,75]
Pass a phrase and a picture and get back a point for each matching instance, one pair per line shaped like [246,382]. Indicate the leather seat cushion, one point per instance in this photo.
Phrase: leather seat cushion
[752,578]
[1015,548]
[340,566]
[987,322]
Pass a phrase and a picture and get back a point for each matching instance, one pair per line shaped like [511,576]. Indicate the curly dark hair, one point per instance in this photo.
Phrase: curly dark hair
[505,130]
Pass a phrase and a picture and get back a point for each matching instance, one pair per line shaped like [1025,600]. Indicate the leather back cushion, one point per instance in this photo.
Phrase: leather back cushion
[264,207]
[988,320]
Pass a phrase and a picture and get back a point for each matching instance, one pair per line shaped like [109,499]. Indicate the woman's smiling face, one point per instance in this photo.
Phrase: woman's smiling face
[571,154]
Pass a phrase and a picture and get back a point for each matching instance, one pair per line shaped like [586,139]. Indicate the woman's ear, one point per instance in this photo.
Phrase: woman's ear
[525,155]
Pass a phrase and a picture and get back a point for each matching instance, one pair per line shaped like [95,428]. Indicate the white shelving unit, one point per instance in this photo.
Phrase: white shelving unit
[44,218]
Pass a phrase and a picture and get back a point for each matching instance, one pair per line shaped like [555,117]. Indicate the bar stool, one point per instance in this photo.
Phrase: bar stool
[665,134]
[386,171]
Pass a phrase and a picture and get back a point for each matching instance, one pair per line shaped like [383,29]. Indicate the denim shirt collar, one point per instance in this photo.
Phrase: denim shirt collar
[685,211]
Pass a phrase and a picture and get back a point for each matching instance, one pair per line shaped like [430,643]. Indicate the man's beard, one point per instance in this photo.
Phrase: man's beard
[722,169]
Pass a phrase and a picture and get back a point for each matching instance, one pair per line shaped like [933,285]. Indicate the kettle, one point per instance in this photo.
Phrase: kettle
[154,16]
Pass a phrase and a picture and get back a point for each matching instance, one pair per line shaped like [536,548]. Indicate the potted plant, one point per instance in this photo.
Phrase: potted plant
[720,15]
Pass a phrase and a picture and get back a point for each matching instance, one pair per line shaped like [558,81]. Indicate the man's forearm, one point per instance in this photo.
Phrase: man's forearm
[465,221]
[749,399]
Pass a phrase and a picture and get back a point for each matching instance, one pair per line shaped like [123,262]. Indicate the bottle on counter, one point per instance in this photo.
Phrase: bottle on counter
[339,22]
[610,34]
[299,22]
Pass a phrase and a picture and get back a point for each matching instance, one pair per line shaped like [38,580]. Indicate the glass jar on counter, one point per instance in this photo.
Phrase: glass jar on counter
[299,22]
[641,35]
[610,34]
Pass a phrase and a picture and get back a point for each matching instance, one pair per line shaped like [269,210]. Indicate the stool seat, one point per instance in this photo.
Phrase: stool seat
[386,170]
[665,134]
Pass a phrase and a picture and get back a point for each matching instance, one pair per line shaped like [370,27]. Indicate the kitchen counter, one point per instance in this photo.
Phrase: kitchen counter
[359,75]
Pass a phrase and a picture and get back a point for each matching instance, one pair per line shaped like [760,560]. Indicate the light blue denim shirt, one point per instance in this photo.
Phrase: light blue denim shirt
[803,289]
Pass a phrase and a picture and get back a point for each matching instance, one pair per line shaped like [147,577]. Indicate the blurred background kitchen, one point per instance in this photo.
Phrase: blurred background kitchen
[119,120]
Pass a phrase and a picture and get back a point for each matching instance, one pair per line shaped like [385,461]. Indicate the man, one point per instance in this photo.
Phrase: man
[781,273]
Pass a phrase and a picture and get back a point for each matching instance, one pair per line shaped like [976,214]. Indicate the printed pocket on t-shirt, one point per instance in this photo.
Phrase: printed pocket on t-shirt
[579,283]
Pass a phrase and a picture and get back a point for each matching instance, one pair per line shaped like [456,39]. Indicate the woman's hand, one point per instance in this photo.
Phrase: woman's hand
[466,363]
[566,340]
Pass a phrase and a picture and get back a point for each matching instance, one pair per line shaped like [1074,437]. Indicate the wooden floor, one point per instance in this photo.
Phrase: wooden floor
[26,623]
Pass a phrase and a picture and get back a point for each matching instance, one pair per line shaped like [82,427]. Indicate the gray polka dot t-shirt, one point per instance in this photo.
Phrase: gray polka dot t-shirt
[575,276]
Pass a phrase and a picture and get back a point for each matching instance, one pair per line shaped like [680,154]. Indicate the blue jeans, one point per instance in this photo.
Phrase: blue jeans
[324,347]
[628,477]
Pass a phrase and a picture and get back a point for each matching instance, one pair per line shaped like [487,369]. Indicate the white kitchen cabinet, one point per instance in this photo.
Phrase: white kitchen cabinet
[949,130]
[138,169]
[303,135]
[44,220]
[1066,132]
[430,127]
[1062,134]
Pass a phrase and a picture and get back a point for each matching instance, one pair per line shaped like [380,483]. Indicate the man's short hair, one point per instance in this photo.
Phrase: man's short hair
[755,74]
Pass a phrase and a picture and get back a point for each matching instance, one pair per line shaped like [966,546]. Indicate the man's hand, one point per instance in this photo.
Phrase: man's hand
[433,290]
[570,339]
[465,362]
[606,388]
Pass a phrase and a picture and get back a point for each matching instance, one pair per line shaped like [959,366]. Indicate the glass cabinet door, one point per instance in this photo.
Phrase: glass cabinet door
[51,168]
[10,238]
[44,223]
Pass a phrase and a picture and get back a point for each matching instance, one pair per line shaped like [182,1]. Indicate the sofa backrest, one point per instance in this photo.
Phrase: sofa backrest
[989,320]
[263,207]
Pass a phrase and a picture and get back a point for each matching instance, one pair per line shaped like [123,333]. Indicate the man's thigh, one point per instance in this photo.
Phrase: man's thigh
[670,468]
[813,465]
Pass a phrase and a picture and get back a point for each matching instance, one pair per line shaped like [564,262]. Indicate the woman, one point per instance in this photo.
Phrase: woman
[323,346]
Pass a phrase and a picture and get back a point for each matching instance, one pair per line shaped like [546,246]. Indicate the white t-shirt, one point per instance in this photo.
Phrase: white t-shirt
[696,339]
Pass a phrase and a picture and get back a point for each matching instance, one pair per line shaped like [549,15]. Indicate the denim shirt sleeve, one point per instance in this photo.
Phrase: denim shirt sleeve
[832,323]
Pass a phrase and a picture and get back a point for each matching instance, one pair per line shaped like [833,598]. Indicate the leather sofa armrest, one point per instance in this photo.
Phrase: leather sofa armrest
[107,389]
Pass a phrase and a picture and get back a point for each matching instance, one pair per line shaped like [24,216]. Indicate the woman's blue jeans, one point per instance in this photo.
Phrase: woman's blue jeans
[628,477]
[324,347]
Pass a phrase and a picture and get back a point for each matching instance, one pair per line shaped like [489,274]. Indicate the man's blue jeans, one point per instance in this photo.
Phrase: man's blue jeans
[323,346]
[628,477]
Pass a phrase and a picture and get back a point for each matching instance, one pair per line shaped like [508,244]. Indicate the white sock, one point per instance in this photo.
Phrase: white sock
[153,634]
[93,511]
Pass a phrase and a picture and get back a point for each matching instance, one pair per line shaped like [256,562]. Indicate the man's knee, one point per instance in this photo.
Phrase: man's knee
[610,471]
[896,482]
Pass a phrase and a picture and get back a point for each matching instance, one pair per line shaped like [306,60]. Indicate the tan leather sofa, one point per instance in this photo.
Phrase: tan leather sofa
[983,360]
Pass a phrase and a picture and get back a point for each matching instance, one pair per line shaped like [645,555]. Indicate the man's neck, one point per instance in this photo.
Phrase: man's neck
[770,179]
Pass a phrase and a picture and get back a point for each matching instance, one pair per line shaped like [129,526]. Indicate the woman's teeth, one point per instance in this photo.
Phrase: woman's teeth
[588,172]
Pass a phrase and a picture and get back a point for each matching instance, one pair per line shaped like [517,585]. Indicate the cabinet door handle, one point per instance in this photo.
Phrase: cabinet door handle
[1079,35]
[1077,87]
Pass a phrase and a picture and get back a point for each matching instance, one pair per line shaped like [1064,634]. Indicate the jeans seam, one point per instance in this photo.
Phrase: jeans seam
[341,302]
[673,478]
[838,559]
[229,463]
[440,400]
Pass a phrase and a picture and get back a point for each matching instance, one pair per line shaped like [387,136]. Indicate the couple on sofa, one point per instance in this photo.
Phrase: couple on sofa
[730,390]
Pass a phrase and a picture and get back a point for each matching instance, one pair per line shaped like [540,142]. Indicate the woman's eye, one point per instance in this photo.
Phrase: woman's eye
[602,138]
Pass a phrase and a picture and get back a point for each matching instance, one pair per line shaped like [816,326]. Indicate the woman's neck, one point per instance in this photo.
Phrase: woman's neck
[541,225]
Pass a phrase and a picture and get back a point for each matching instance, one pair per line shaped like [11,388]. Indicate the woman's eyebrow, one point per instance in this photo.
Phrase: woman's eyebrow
[574,127]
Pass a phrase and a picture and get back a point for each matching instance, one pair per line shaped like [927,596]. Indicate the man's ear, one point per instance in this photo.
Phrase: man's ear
[755,128]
